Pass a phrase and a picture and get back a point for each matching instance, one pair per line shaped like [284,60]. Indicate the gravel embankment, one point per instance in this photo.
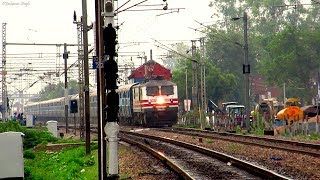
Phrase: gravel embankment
[137,164]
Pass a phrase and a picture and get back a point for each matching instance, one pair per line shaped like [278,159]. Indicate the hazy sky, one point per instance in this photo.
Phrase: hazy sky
[44,21]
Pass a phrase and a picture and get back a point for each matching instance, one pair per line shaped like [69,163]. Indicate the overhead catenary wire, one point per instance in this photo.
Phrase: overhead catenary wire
[221,36]
[173,51]
[119,11]
[122,5]
[32,84]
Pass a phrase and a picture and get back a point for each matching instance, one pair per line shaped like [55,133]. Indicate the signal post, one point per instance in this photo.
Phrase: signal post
[110,74]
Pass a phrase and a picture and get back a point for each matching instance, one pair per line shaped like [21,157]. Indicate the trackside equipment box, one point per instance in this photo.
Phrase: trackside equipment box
[30,121]
[11,156]
[53,127]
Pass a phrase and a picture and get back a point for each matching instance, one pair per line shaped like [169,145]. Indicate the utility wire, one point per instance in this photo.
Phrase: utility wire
[122,5]
[44,78]
[117,12]
[221,36]
[173,51]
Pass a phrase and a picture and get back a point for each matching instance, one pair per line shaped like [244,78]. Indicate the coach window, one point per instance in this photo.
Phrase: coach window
[166,90]
[135,92]
[153,91]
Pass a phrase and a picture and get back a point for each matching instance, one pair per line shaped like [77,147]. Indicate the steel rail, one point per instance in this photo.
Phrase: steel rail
[244,165]
[296,143]
[210,134]
[159,156]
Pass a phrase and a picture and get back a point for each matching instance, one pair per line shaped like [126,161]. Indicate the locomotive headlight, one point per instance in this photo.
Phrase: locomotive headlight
[160,100]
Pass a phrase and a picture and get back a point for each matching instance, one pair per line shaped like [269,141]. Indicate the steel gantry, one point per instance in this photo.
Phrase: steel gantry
[81,76]
[4,71]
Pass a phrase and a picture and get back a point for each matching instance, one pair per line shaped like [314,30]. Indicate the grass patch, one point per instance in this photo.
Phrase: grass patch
[233,147]
[192,126]
[68,163]
[310,137]
[210,141]
[60,141]
[65,164]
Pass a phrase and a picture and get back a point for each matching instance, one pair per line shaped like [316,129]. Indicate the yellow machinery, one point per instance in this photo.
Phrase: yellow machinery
[268,108]
[286,117]
[292,111]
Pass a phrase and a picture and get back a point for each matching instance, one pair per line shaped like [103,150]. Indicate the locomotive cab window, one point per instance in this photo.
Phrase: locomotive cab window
[153,91]
[166,90]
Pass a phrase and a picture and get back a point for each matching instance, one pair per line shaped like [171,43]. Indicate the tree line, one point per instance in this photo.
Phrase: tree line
[284,47]
[53,91]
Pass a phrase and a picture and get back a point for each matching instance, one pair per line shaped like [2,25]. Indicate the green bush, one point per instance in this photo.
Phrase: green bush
[258,126]
[34,137]
[29,154]
[238,129]
[27,173]
[11,126]
[94,146]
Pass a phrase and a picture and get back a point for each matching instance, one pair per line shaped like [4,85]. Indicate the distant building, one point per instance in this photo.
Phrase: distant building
[260,90]
[149,69]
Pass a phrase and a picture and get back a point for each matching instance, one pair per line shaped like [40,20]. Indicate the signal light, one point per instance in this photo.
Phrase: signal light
[112,106]
[112,99]
[109,40]
[109,6]
[110,73]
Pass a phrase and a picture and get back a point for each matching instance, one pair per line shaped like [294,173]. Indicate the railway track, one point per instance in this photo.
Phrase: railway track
[195,162]
[290,146]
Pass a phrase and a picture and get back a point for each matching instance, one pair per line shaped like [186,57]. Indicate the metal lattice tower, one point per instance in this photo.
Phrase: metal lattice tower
[4,72]
[202,75]
[194,76]
[81,78]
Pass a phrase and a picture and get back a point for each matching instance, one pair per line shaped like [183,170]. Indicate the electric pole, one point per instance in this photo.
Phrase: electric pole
[100,91]
[86,75]
[194,76]
[187,96]
[202,80]
[4,72]
[246,70]
[66,93]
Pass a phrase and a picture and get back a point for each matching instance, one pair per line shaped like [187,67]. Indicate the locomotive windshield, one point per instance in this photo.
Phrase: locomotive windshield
[166,90]
[152,91]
